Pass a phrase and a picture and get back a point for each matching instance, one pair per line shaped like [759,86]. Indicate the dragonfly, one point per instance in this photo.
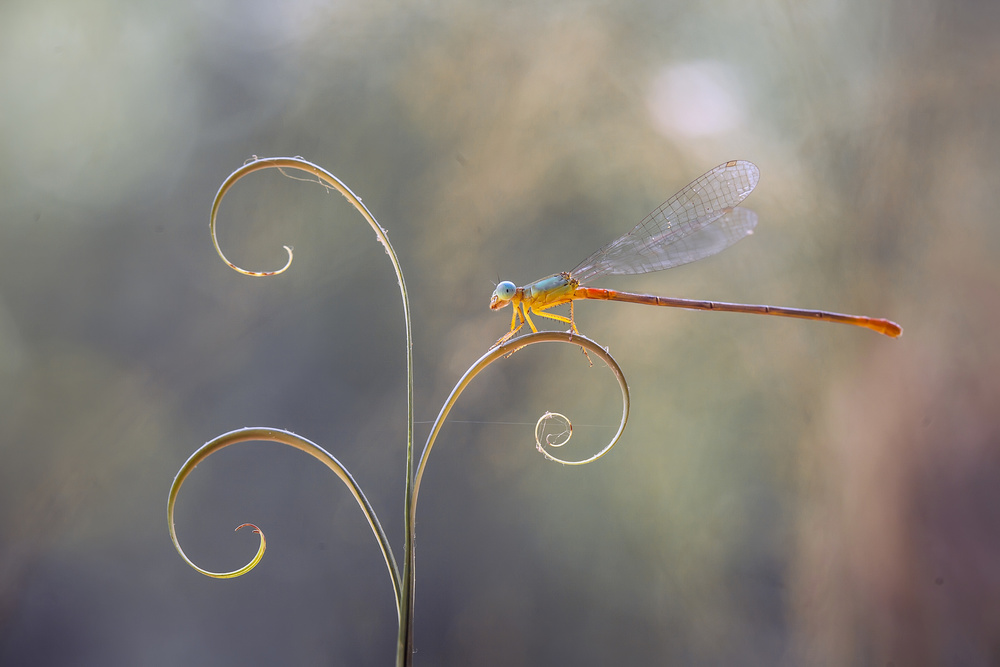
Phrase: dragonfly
[701,220]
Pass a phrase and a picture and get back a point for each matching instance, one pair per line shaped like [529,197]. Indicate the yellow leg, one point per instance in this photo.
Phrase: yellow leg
[522,314]
[527,317]
[568,320]
[507,336]
[572,325]
[559,318]
[514,326]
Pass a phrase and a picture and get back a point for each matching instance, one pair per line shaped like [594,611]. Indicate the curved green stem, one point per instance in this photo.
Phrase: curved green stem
[507,349]
[404,647]
[292,440]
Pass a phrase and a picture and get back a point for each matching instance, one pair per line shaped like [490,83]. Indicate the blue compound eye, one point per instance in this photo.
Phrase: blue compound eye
[505,290]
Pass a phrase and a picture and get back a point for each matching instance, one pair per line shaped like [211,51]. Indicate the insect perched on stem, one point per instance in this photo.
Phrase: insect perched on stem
[701,220]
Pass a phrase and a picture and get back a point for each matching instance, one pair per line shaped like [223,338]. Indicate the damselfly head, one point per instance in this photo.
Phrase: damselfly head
[502,295]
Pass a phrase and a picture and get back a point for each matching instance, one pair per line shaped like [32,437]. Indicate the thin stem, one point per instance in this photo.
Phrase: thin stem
[292,440]
[404,646]
[505,350]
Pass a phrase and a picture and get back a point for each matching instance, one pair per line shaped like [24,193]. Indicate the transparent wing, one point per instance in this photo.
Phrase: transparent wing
[697,222]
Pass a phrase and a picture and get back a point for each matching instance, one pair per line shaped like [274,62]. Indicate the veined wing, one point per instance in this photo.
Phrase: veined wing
[697,222]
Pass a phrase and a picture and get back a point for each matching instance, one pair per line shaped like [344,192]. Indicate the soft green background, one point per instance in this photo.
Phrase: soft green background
[788,493]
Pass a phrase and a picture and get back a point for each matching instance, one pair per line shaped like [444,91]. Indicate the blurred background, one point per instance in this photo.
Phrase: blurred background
[787,492]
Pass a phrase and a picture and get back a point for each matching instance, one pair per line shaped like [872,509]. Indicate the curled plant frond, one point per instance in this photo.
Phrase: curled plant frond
[292,440]
[322,176]
[506,350]
[234,573]
[547,435]
[401,583]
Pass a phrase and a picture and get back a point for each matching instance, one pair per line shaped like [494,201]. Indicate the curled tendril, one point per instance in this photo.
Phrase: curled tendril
[552,439]
[402,584]
[323,177]
[292,440]
[234,573]
[507,349]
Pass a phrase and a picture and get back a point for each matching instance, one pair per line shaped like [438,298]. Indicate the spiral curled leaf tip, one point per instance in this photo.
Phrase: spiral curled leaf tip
[553,439]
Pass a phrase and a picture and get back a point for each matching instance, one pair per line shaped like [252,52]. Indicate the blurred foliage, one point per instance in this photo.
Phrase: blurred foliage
[787,492]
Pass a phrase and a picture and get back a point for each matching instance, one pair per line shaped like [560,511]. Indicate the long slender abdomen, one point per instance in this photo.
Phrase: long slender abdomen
[882,326]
